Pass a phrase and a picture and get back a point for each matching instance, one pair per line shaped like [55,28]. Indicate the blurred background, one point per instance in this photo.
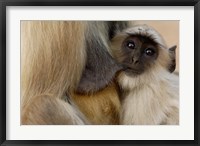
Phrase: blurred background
[169,31]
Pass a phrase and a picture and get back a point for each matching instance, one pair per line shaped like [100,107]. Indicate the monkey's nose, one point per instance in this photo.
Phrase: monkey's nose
[134,61]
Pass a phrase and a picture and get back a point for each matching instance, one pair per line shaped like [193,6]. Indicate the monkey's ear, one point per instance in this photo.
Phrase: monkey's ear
[172,53]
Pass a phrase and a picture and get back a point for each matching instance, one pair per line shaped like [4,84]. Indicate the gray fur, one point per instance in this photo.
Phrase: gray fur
[100,66]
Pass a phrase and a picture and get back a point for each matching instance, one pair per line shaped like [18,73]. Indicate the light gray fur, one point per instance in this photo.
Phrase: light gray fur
[151,98]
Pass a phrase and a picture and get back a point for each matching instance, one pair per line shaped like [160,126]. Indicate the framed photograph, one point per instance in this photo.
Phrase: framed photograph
[99,72]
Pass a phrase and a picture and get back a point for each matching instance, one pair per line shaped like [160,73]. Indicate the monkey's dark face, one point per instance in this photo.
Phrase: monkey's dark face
[138,54]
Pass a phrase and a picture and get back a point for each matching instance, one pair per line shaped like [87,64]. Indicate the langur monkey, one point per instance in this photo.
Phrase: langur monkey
[149,89]
[60,58]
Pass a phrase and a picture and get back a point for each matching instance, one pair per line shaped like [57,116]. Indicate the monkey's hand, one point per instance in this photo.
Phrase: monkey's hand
[93,81]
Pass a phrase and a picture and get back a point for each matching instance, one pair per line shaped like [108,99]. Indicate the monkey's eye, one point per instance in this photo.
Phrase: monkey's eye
[130,45]
[149,52]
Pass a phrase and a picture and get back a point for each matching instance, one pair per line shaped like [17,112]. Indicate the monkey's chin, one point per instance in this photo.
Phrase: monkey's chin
[132,72]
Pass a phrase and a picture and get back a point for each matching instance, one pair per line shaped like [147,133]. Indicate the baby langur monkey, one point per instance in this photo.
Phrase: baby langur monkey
[149,89]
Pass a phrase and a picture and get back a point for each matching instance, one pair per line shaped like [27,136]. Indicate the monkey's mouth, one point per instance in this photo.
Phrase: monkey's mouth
[132,71]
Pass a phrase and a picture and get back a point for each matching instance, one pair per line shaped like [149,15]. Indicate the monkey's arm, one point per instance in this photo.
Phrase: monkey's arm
[95,80]
[100,66]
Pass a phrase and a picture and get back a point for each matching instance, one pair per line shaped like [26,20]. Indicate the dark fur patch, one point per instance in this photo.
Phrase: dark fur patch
[116,26]
[172,65]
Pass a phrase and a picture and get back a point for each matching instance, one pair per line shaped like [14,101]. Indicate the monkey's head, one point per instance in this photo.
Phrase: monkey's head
[142,48]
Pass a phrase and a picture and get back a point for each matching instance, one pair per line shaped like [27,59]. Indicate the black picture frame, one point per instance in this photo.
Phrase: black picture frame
[5,3]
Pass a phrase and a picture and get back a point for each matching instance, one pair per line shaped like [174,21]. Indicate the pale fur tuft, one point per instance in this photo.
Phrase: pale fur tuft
[152,98]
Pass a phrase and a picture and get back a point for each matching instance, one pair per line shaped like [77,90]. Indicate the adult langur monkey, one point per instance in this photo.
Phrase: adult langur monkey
[60,58]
